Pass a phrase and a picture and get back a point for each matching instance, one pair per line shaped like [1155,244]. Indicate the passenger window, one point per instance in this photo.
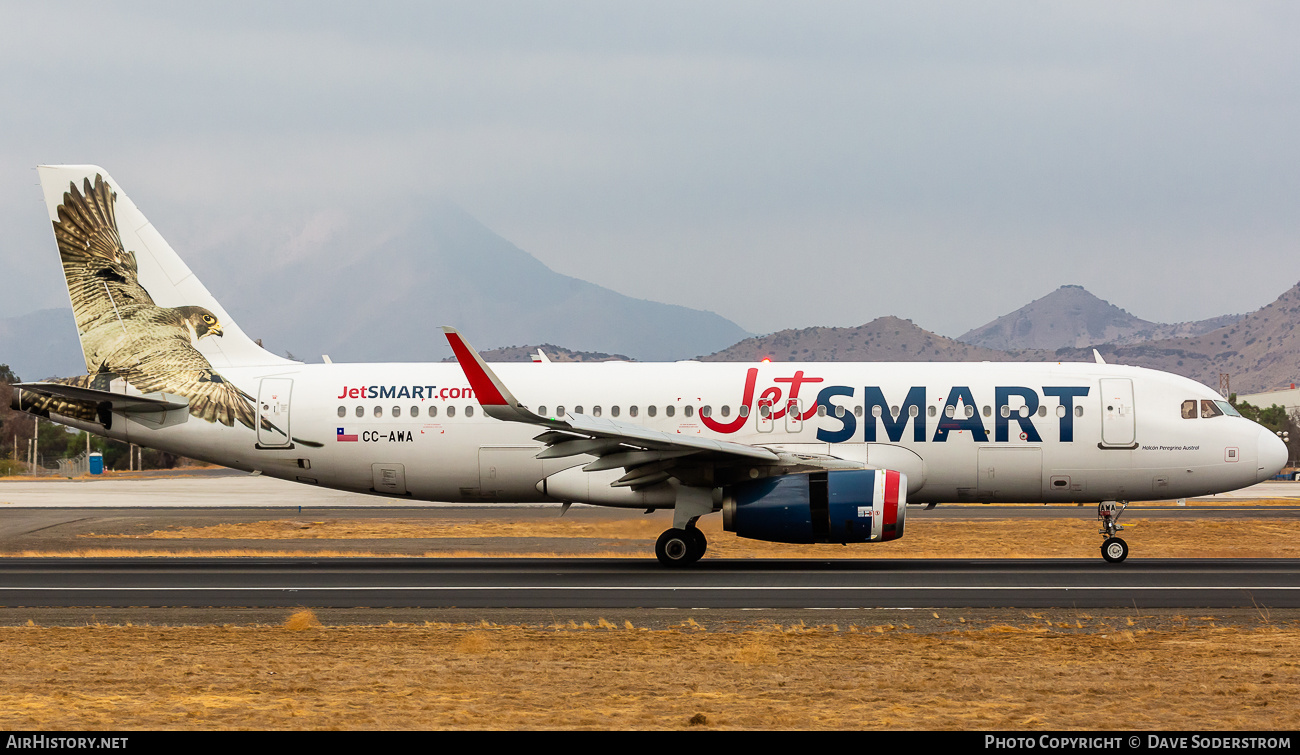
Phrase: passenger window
[988,411]
[541,410]
[1005,411]
[950,411]
[613,411]
[706,411]
[875,411]
[651,410]
[912,411]
[397,411]
[469,411]
[821,410]
[670,410]
[415,411]
[343,411]
[893,412]
[932,411]
[857,411]
[1060,411]
[632,411]
[1208,409]
[764,411]
[433,411]
[690,411]
[595,411]
[379,411]
[1042,411]
[361,411]
[559,411]
[577,409]
[742,411]
[451,411]
[1189,409]
[839,411]
[1078,411]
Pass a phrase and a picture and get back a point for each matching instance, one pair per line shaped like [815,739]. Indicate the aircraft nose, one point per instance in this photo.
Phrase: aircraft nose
[1272,454]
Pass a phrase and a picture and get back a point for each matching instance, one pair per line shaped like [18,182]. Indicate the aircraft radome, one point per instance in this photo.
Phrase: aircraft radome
[788,452]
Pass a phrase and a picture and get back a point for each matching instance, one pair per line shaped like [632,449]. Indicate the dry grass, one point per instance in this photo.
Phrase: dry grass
[483,676]
[254,552]
[365,529]
[300,620]
[1026,538]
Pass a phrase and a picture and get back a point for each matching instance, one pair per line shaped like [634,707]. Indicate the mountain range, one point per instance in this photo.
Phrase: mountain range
[383,301]
[1258,351]
[1070,316]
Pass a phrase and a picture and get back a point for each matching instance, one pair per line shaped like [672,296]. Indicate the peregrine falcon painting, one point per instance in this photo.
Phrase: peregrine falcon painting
[124,334]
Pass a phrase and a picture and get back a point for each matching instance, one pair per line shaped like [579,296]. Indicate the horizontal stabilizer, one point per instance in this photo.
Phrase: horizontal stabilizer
[118,401]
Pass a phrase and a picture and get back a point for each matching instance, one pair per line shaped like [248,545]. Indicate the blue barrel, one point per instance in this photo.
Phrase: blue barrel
[97,463]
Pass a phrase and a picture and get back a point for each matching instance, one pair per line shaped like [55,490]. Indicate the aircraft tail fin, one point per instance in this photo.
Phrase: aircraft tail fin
[126,284]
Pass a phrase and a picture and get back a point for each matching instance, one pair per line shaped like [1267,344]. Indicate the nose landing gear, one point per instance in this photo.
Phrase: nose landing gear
[1113,549]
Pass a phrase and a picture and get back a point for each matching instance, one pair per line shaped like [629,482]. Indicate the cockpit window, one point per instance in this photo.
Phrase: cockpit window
[1227,408]
[1189,409]
[1208,409]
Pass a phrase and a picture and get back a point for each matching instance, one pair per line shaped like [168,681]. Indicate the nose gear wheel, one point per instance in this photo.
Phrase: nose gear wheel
[1114,549]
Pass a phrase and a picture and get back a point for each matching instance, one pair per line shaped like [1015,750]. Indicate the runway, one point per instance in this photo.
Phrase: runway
[59,516]
[620,583]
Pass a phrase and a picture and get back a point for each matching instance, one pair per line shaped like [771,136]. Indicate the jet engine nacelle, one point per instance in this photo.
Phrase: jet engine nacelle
[839,506]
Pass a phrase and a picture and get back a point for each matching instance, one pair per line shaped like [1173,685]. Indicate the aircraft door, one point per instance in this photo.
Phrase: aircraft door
[1118,423]
[763,417]
[794,415]
[273,402]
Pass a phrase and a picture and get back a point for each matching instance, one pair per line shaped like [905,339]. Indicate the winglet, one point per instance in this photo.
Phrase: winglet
[492,394]
[1097,355]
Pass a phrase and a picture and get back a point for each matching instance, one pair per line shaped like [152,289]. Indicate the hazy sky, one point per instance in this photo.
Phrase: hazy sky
[782,164]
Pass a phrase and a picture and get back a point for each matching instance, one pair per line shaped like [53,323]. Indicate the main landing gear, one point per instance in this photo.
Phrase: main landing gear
[684,544]
[1113,549]
[681,547]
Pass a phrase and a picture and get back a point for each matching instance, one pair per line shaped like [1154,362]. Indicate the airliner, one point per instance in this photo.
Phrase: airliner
[788,452]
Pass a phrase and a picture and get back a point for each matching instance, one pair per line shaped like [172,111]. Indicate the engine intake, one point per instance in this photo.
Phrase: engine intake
[839,506]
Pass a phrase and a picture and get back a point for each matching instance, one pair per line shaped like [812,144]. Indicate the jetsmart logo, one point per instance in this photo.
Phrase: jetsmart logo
[406,391]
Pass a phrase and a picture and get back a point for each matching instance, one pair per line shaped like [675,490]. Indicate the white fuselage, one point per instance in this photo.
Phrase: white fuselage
[1092,432]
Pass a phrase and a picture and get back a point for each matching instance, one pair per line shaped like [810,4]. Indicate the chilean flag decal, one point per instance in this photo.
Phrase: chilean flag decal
[340,435]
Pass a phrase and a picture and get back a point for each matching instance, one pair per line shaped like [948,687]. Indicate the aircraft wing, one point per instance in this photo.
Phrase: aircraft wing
[649,456]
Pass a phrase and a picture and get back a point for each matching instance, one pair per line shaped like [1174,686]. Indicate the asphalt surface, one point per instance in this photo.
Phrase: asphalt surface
[618,583]
[54,516]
